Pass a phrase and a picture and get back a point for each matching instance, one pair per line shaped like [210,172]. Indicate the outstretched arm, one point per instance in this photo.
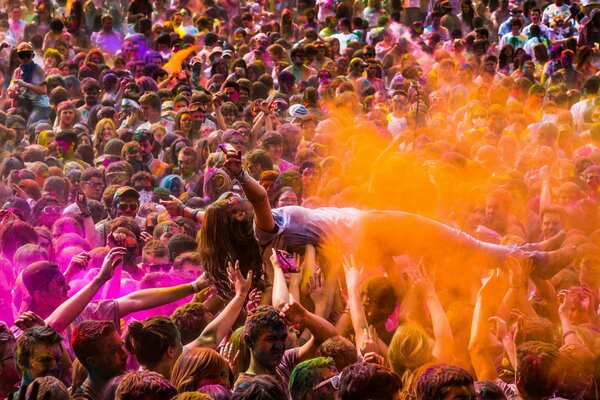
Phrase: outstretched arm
[256,194]
[70,309]
[357,312]
[444,340]
[218,328]
[485,308]
[150,298]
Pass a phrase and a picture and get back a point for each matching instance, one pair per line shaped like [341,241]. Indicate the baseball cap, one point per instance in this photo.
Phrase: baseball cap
[358,61]
[297,110]
[125,191]
[24,46]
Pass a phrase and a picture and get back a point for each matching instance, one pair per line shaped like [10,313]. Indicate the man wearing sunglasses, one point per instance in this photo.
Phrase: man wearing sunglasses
[126,202]
[28,81]
[155,257]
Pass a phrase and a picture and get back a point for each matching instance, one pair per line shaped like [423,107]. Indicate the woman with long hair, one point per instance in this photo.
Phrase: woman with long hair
[466,16]
[183,122]
[289,30]
[200,367]
[506,59]
[105,131]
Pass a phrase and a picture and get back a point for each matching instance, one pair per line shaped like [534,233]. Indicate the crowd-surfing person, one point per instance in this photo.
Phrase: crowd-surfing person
[308,200]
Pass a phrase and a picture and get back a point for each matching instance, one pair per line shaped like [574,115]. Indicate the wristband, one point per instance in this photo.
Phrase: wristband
[567,333]
[180,208]
[195,287]
[242,177]
[195,214]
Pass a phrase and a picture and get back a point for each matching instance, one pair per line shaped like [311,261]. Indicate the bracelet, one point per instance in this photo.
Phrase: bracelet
[567,333]
[180,208]
[195,214]
[242,177]
[195,287]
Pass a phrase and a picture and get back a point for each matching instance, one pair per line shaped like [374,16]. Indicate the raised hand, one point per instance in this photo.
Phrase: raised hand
[352,272]
[373,358]
[316,288]
[421,280]
[227,353]
[241,285]
[370,342]
[254,299]
[78,263]
[233,163]
[29,319]
[110,263]
[146,237]
[293,313]
[494,287]
[173,206]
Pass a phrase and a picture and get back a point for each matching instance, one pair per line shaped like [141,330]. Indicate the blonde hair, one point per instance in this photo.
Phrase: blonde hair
[195,364]
[98,143]
[409,349]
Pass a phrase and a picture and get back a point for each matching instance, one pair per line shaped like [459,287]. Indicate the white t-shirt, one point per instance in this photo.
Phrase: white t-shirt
[344,39]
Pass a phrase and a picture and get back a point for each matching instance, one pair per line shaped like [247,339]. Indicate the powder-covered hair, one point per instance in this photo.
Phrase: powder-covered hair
[409,349]
[194,364]
[434,379]
[260,319]
[147,385]
[306,375]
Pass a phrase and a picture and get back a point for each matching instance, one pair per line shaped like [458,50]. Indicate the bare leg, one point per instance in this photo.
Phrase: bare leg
[397,232]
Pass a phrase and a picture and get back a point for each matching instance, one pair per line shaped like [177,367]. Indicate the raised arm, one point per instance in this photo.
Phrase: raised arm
[176,208]
[218,328]
[281,294]
[256,194]
[151,298]
[357,311]
[485,307]
[443,349]
[570,336]
[321,330]
[70,309]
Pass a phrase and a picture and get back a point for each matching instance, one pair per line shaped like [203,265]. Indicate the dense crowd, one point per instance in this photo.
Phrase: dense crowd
[299,199]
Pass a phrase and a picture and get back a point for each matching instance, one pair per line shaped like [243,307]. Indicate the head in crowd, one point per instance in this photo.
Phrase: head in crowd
[39,353]
[99,348]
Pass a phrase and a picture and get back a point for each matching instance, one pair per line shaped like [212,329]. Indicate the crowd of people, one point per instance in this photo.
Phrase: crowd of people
[299,200]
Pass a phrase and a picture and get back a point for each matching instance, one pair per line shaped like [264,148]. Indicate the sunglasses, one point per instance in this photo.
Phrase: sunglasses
[51,210]
[334,381]
[158,267]
[23,55]
[125,207]
[142,188]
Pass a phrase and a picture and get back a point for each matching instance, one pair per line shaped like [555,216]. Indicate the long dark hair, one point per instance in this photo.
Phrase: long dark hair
[225,239]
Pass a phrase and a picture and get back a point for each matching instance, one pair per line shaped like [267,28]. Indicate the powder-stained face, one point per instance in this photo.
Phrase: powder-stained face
[112,357]
[269,346]
[45,360]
